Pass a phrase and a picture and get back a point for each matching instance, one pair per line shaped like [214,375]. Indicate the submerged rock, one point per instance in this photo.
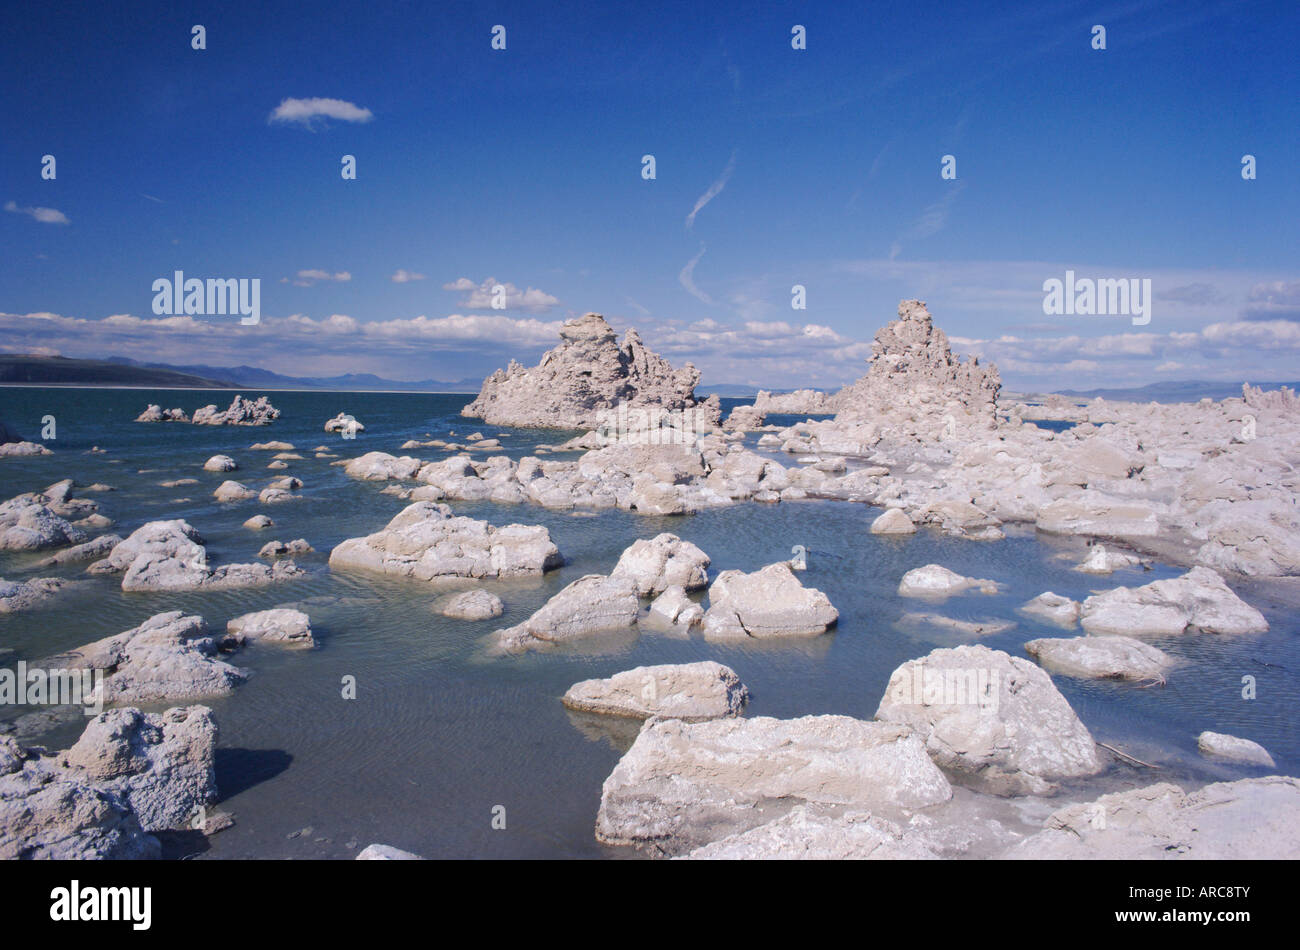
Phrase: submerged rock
[25,595]
[937,581]
[992,721]
[1222,746]
[282,625]
[1054,608]
[683,785]
[689,691]
[767,603]
[577,383]
[477,604]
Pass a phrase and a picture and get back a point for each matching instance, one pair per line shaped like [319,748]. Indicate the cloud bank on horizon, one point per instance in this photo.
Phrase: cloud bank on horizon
[964,162]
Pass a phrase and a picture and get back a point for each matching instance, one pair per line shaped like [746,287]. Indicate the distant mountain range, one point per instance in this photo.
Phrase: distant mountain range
[1183,391]
[120,371]
[21,369]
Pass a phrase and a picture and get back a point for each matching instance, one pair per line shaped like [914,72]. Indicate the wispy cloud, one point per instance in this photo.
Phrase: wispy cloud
[43,215]
[687,279]
[403,276]
[152,198]
[307,112]
[715,189]
[305,278]
[932,220]
[481,296]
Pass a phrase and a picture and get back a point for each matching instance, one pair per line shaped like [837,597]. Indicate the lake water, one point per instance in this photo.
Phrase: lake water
[440,734]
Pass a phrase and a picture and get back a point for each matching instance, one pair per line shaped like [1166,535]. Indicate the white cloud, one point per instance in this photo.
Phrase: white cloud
[687,279]
[713,191]
[306,112]
[402,276]
[481,296]
[43,215]
[305,278]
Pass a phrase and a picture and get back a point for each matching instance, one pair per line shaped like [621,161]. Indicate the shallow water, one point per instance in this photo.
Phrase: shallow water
[440,734]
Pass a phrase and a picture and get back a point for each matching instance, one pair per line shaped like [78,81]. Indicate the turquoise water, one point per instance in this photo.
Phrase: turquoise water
[440,734]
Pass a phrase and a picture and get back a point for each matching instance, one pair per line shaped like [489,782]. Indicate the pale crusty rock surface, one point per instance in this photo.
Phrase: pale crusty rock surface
[1053,608]
[936,581]
[683,785]
[992,721]
[426,541]
[286,548]
[231,490]
[588,374]
[1199,599]
[1101,658]
[130,773]
[220,463]
[1250,819]
[591,605]
[664,561]
[893,521]
[169,555]
[674,610]
[1102,561]
[36,521]
[169,657]
[766,603]
[160,765]
[386,852]
[91,550]
[344,423]
[281,625]
[690,691]
[910,355]
[28,594]
[477,604]
[155,413]
[815,833]
[241,412]
[1222,746]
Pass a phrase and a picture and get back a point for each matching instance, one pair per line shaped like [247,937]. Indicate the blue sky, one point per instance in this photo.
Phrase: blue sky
[523,167]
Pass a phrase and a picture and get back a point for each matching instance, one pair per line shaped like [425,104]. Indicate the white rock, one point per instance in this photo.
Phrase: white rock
[589,606]
[893,521]
[683,785]
[662,562]
[994,721]
[281,625]
[690,691]
[1199,599]
[1222,746]
[1101,658]
[936,581]
[767,603]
